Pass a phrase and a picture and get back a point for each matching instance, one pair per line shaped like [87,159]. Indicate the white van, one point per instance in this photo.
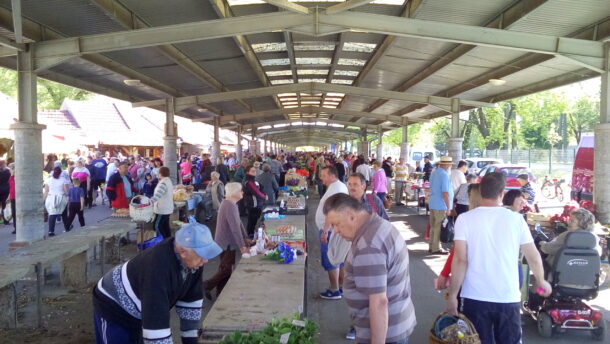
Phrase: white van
[418,153]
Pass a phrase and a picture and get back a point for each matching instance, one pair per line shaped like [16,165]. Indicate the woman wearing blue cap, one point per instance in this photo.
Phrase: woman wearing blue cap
[133,300]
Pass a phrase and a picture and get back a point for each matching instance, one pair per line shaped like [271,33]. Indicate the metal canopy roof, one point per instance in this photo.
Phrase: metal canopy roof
[311,72]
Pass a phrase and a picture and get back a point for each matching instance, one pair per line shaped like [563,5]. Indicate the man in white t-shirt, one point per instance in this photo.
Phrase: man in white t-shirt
[458,175]
[485,265]
[329,178]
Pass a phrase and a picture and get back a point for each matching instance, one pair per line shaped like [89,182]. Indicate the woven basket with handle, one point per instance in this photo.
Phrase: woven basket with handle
[472,338]
[142,212]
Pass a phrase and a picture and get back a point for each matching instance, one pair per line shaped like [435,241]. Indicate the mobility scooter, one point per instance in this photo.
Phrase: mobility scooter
[574,277]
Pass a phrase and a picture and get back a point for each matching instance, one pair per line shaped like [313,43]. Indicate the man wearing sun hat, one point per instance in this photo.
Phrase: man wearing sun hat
[440,202]
[133,300]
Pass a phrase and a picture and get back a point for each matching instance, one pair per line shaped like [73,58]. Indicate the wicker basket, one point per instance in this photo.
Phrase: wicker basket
[467,339]
[139,213]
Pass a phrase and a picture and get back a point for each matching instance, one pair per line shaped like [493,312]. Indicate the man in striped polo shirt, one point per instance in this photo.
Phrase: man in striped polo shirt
[377,287]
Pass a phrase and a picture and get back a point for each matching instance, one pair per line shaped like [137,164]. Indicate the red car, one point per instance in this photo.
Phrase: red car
[510,171]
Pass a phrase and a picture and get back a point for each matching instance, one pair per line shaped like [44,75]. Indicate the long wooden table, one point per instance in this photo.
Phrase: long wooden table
[258,291]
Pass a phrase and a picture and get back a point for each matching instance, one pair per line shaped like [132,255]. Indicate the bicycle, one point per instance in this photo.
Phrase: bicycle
[551,188]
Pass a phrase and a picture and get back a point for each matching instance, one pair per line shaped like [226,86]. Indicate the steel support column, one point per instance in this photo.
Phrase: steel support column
[170,141]
[379,154]
[28,156]
[601,186]
[216,144]
[238,147]
[455,141]
[404,145]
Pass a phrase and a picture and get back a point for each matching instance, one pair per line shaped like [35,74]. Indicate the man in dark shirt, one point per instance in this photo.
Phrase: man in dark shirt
[99,175]
[427,168]
[132,301]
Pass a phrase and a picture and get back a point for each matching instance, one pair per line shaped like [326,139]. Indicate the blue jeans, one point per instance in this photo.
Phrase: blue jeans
[324,255]
[53,220]
[494,321]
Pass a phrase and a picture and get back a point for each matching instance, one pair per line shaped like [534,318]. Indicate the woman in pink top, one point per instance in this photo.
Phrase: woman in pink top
[379,183]
[185,171]
[82,173]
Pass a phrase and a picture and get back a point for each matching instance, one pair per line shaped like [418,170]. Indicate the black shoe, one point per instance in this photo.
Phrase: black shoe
[51,234]
[399,203]
[14,232]
[441,251]
[208,295]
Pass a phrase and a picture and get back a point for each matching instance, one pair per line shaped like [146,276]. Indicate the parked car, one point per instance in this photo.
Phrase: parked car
[475,165]
[582,172]
[510,171]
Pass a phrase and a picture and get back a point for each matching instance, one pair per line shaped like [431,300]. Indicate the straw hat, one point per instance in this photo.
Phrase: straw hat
[446,160]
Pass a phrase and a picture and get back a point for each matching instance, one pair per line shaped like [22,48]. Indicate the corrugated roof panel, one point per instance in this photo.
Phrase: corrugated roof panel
[163,12]
[69,17]
[532,75]
[563,17]
[467,12]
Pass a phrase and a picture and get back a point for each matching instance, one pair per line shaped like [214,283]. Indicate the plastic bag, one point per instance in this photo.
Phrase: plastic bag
[8,214]
[447,230]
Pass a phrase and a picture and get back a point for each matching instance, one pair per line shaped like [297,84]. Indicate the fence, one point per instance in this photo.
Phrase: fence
[530,156]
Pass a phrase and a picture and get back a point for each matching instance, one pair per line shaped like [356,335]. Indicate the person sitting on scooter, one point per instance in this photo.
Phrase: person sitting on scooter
[580,219]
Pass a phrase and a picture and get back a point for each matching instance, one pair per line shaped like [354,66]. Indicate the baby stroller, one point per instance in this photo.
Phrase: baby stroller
[574,277]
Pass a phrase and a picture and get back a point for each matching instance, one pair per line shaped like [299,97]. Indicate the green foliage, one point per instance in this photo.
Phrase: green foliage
[273,332]
[50,94]
[441,130]
[583,117]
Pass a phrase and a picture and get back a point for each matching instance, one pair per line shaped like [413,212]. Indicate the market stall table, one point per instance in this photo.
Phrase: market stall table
[258,291]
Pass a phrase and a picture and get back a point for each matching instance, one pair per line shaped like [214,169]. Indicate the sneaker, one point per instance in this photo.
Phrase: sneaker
[331,295]
[14,232]
[351,334]
[51,234]
[341,290]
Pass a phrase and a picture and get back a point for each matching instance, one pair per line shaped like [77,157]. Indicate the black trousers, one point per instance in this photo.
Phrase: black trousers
[162,225]
[253,215]
[460,209]
[73,210]
[3,198]
[221,277]
[14,212]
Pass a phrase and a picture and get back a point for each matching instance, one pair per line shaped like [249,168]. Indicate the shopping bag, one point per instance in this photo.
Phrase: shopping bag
[447,230]
[338,248]
[8,214]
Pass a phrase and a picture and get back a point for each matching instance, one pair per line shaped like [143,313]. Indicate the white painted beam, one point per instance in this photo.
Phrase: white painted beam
[347,5]
[289,6]
[458,33]
[179,33]
[312,87]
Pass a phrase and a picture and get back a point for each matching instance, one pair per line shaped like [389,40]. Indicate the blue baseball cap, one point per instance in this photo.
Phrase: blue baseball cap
[199,238]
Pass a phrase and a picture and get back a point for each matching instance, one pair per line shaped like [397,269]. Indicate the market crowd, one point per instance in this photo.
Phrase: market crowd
[362,253]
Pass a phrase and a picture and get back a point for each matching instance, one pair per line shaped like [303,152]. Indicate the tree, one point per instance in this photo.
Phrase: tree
[394,137]
[583,117]
[50,94]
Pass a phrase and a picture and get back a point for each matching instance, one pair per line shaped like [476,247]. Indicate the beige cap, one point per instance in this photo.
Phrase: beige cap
[447,160]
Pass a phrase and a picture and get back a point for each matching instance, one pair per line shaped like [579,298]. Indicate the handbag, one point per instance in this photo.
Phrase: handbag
[387,202]
[447,230]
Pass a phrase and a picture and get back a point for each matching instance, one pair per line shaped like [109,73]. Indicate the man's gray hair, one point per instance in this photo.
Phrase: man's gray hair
[215,174]
[266,167]
[232,188]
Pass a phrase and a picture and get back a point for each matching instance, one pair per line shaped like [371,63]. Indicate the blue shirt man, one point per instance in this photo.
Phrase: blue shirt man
[440,203]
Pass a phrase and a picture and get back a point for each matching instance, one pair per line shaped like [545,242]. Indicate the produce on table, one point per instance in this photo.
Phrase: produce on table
[181,193]
[565,216]
[297,331]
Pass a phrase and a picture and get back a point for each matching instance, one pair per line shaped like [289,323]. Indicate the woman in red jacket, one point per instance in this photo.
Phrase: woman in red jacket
[474,200]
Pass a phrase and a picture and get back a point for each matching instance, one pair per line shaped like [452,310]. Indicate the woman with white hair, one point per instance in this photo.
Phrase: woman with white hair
[216,193]
[230,235]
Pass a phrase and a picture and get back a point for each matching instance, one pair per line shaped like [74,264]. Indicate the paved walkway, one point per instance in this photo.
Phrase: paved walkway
[333,317]
[94,215]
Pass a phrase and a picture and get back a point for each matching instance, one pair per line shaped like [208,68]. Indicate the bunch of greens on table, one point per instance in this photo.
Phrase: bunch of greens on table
[300,332]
